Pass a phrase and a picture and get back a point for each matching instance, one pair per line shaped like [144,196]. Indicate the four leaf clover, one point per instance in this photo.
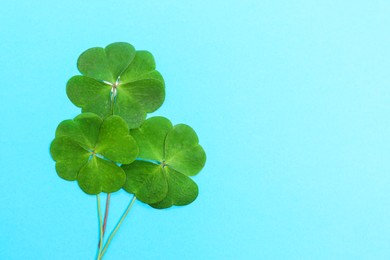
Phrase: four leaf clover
[87,149]
[168,155]
[117,80]
[111,146]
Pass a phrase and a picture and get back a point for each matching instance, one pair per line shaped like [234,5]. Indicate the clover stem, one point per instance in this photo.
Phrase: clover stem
[105,216]
[119,224]
[106,213]
[100,255]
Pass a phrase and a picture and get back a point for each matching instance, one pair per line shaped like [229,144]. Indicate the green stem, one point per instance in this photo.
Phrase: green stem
[100,255]
[105,216]
[118,225]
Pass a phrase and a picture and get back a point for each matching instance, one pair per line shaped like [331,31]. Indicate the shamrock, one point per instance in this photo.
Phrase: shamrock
[88,148]
[111,146]
[117,80]
[168,155]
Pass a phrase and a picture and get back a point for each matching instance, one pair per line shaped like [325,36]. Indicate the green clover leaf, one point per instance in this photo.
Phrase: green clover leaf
[88,148]
[168,155]
[117,80]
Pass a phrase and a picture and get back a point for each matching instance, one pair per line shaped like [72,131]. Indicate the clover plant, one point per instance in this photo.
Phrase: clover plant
[112,146]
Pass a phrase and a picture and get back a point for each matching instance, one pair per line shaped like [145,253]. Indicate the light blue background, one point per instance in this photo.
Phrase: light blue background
[290,99]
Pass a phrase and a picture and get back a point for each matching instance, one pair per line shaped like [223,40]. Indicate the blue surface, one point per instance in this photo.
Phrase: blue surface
[291,101]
